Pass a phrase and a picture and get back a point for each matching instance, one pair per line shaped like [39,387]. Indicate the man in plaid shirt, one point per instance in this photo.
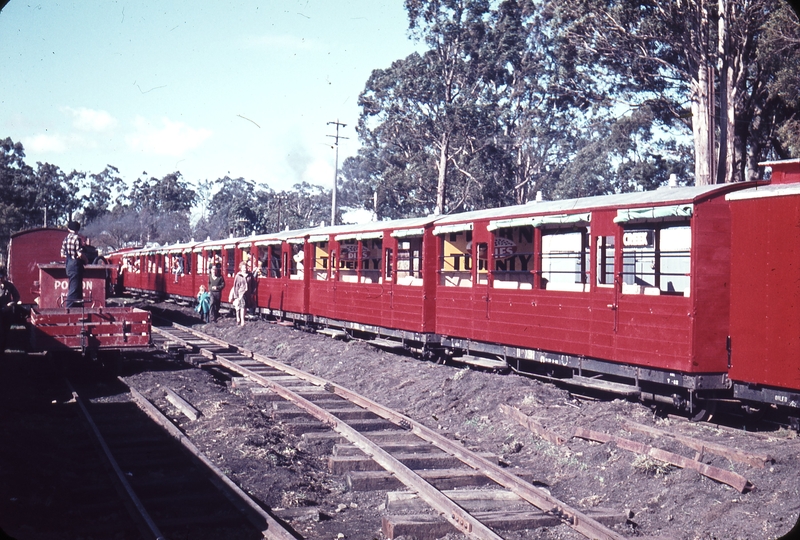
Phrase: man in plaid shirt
[71,251]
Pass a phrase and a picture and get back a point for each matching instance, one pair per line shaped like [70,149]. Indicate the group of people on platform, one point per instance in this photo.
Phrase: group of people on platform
[241,295]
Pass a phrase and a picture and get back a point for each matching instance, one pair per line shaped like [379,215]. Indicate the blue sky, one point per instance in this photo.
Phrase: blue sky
[207,88]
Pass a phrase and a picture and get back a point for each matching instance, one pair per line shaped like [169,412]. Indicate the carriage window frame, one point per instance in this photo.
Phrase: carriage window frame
[388,263]
[297,264]
[674,262]
[347,271]
[274,259]
[321,260]
[506,257]
[370,268]
[230,261]
[549,257]
[408,261]
[455,259]
[605,260]
[214,258]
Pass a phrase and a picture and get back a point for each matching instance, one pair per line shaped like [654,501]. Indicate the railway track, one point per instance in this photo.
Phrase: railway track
[378,448]
[168,492]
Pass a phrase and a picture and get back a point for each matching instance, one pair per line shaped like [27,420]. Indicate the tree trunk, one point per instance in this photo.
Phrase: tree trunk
[727,66]
[702,127]
[441,186]
[702,103]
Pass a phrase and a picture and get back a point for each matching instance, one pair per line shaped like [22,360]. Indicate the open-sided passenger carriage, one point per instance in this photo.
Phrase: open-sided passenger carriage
[688,296]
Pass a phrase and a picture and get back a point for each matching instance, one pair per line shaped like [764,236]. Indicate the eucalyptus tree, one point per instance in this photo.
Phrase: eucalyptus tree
[164,206]
[424,118]
[676,57]
[105,190]
[233,209]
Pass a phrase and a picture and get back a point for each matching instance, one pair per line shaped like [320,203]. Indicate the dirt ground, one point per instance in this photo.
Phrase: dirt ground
[237,432]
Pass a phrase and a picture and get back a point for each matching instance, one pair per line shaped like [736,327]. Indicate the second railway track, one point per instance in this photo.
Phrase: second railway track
[375,438]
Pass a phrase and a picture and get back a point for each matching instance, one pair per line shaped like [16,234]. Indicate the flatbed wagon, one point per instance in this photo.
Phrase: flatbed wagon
[43,286]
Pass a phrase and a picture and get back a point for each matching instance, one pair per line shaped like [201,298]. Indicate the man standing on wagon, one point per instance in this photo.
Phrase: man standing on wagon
[71,250]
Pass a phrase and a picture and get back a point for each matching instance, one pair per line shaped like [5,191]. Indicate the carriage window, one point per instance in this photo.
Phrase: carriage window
[214,259]
[262,266]
[657,260]
[456,263]
[202,263]
[246,258]
[482,255]
[275,262]
[370,262]
[388,263]
[605,260]
[230,266]
[321,258]
[513,258]
[188,262]
[409,261]
[348,259]
[297,267]
[565,260]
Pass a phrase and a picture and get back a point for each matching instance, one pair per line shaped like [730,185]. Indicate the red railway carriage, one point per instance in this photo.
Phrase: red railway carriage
[371,278]
[765,289]
[180,263]
[26,250]
[684,295]
[623,292]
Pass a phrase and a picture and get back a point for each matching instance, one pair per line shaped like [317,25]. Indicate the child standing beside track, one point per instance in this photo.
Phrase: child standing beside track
[203,304]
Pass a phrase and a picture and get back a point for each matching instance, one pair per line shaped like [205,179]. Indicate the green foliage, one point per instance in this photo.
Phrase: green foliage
[572,99]
[104,188]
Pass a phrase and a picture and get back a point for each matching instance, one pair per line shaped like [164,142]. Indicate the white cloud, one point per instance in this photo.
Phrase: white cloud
[90,119]
[165,138]
[45,143]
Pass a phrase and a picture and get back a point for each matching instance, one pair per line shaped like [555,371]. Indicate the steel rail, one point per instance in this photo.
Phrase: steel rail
[270,528]
[152,528]
[535,496]
[456,515]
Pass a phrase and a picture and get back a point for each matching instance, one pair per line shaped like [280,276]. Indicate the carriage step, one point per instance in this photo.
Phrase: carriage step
[333,332]
[385,343]
[481,362]
[607,386]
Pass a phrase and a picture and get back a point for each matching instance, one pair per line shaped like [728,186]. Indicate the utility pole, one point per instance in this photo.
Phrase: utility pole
[336,168]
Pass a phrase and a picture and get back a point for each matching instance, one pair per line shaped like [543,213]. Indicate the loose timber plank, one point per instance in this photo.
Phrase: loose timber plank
[531,424]
[732,479]
[182,405]
[754,459]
